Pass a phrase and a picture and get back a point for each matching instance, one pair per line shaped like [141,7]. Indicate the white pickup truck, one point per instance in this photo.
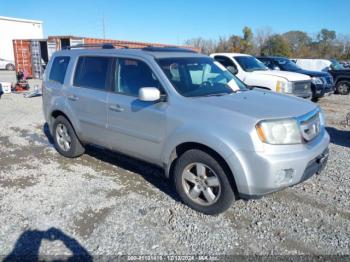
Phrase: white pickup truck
[254,73]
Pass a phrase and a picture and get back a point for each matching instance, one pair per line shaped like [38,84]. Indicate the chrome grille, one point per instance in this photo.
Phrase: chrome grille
[302,87]
[310,125]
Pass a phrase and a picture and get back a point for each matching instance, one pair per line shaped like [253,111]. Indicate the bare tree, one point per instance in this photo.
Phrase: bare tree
[261,36]
[206,46]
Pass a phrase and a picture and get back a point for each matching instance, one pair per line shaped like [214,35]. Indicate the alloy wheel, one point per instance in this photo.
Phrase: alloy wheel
[63,138]
[343,88]
[201,184]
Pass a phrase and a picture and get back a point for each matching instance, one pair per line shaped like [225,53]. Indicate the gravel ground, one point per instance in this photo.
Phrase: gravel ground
[108,204]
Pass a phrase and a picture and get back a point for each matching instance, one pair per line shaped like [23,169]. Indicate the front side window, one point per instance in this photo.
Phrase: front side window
[131,75]
[199,76]
[93,72]
[59,69]
[266,62]
[250,64]
[336,65]
[287,64]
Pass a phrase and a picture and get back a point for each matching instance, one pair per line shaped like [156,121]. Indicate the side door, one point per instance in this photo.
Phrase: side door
[53,83]
[136,128]
[87,97]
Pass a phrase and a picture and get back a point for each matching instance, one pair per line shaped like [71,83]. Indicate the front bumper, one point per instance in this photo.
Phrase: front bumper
[322,90]
[269,172]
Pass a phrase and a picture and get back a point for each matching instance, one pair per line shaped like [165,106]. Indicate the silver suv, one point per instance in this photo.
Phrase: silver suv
[215,138]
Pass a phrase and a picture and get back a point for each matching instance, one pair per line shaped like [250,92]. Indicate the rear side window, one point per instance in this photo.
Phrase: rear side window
[59,68]
[93,72]
[225,61]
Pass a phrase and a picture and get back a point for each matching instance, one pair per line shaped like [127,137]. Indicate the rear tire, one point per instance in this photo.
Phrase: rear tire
[65,139]
[202,183]
[343,87]
[10,67]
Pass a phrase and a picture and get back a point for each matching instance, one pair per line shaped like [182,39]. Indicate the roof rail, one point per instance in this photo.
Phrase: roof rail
[103,46]
[167,49]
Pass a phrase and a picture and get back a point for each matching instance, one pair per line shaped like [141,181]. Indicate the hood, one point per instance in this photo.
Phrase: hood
[341,71]
[312,73]
[290,76]
[260,104]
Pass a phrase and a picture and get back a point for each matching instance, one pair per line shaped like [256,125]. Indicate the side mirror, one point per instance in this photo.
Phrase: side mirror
[276,68]
[149,94]
[232,69]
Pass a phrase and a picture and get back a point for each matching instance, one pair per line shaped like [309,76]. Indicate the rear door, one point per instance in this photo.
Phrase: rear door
[136,128]
[53,83]
[87,97]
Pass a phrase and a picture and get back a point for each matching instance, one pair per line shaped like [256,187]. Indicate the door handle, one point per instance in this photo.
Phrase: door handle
[73,97]
[116,108]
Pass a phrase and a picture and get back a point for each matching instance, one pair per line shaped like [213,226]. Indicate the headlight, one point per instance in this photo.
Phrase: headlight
[317,80]
[279,132]
[284,87]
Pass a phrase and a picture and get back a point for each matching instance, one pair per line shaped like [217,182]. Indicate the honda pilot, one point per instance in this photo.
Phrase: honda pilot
[217,140]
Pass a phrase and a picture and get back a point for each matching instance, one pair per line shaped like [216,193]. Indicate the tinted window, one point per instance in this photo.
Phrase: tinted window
[225,61]
[287,64]
[133,74]
[93,72]
[59,68]
[250,64]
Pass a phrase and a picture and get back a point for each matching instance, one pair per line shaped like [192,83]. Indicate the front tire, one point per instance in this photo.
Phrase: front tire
[343,87]
[202,183]
[65,140]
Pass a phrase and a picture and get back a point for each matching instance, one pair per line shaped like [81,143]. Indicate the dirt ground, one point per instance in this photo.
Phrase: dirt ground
[108,204]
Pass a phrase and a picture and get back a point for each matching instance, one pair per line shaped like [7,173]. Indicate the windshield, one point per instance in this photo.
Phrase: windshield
[250,64]
[200,76]
[287,64]
[336,65]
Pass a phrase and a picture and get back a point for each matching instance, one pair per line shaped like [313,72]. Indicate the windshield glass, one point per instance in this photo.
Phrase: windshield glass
[200,76]
[287,64]
[250,64]
[336,65]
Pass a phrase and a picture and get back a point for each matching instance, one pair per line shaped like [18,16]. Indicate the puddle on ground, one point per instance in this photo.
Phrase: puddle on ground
[289,196]
[18,182]
[89,220]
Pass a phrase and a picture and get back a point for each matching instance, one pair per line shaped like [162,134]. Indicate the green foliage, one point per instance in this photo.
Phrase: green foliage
[276,45]
[294,43]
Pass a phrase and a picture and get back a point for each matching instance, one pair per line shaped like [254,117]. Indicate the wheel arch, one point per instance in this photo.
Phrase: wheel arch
[58,112]
[342,78]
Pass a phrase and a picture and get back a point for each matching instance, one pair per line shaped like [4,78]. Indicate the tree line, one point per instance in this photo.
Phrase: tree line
[295,44]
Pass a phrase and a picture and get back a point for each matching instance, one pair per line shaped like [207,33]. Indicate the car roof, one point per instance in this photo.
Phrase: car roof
[231,54]
[156,53]
[272,57]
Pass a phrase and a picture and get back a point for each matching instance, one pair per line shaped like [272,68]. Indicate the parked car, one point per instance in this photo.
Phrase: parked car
[340,74]
[345,64]
[254,73]
[7,65]
[321,82]
[182,111]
